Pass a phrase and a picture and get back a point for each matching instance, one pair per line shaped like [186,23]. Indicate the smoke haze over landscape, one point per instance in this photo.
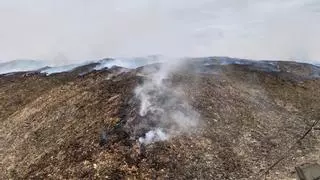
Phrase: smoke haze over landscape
[159,89]
[65,32]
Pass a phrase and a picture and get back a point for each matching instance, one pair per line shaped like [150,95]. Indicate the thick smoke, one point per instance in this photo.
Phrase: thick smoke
[164,109]
[59,31]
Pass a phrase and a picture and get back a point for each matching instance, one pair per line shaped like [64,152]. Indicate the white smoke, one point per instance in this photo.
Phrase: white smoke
[153,136]
[59,31]
[164,107]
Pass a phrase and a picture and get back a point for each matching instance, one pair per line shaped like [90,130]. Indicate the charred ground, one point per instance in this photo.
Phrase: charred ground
[79,124]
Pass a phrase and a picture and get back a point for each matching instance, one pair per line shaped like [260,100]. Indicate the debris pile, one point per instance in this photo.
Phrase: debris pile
[210,121]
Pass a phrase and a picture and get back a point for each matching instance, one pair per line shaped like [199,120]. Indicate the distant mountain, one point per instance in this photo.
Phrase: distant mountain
[21,65]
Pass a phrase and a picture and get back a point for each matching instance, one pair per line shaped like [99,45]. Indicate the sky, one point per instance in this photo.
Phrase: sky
[68,31]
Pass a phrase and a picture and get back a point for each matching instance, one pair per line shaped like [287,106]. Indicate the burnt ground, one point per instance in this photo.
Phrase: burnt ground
[71,126]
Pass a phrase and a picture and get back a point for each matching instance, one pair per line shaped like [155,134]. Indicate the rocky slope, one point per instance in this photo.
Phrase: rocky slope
[85,124]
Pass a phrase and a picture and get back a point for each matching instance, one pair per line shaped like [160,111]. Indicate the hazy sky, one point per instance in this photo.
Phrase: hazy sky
[72,30]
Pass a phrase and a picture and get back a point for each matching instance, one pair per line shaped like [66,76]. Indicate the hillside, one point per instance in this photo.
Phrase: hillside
[87,122]
[20,65]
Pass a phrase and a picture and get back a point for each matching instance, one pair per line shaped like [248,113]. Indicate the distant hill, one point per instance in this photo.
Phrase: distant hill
[45,68]
[21,65]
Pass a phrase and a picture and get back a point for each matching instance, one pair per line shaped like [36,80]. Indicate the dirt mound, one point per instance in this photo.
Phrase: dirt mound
[87,125]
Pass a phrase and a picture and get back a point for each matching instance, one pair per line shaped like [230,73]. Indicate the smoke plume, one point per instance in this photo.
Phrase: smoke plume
[164,110]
